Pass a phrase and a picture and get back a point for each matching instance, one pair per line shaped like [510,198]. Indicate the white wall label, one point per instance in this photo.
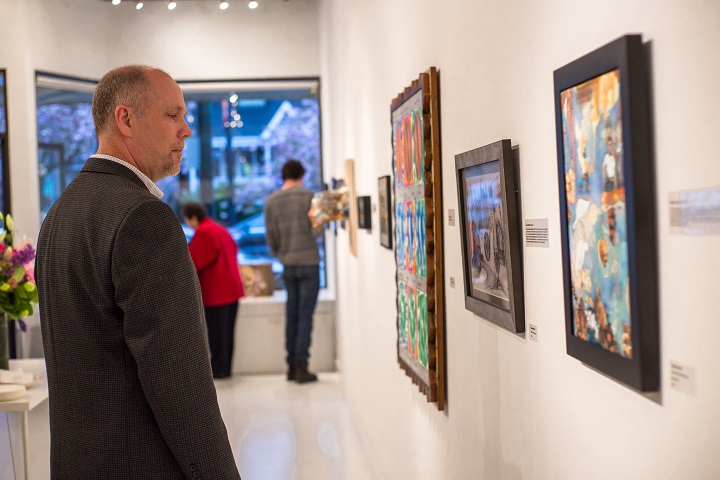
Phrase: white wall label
[452,282]
[533,332]
[682,378]
[536,233]
[451,217]
[695,212]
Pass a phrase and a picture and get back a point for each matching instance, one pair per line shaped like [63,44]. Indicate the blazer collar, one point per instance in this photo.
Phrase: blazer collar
[101,165]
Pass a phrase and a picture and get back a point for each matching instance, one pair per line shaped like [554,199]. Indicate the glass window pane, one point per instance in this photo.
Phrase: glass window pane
[66,134]
[3,103]
[241,139]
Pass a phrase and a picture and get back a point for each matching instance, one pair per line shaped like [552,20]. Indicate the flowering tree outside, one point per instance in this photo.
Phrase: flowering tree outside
[66,138]
[297,137]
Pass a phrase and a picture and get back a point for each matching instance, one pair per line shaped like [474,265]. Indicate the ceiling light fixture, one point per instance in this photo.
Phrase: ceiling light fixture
[116,2]
[224,5]
[172,5]
[253,5]
[139,6]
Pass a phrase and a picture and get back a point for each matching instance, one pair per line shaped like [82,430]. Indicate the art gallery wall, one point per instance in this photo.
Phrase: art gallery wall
[519,409]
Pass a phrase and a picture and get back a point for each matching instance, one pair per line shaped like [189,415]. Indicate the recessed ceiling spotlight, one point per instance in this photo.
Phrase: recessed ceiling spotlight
[253,5]
[172,5]
[116,2]
[139,6]
[224,5]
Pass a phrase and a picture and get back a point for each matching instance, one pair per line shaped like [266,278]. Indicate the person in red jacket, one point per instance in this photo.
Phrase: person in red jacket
[214,253]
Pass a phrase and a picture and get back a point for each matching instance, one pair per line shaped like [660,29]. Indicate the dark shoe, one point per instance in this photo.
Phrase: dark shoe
[291,372]
[221,375]
[303,376]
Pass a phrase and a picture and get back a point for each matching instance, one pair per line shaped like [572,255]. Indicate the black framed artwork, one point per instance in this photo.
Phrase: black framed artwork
[607,212]
[384,210]
[489,214]
[364,212]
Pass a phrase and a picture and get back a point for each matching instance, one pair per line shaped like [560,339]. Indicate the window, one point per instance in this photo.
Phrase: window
[243,132]
[66,133]
[4,161]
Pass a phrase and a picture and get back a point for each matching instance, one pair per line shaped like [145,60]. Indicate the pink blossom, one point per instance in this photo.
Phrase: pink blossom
[29,272]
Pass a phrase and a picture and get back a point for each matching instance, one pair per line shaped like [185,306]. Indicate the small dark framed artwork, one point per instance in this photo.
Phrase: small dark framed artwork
[607,212]
[385,212]
[489,214]
[364,213]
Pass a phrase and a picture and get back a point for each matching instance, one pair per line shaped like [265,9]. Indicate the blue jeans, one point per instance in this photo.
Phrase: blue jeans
[302,283]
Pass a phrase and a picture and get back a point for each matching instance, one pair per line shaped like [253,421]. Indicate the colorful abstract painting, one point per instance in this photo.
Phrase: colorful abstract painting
[399,237]
[596,212]
[409,149]
[420,240]
[422,320]
[409,236]
[417,203]
[403,332]
[412,321]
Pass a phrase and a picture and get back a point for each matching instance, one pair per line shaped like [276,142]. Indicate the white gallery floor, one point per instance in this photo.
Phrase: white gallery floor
[279,431]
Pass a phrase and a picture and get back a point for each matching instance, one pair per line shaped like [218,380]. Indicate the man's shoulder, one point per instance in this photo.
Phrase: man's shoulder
[290,194]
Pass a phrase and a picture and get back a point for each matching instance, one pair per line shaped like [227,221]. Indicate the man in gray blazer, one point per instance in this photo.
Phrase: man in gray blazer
[128,365]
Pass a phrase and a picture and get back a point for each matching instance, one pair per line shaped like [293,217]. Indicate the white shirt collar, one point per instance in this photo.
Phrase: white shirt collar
[154,189]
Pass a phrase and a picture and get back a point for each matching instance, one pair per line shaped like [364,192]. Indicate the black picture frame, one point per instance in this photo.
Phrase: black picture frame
[491,238]
[364,209]
[385,211]
[607,212]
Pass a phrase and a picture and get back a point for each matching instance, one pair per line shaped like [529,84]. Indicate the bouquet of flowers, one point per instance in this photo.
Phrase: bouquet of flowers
[17,282]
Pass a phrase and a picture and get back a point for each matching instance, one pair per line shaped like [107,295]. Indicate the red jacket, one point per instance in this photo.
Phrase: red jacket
[214,254]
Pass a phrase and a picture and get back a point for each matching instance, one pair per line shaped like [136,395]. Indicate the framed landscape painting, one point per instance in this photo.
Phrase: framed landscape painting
[489,215]
[417,212]
[607,212]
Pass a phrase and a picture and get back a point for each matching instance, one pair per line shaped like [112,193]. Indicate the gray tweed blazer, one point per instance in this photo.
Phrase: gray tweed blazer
[131,391]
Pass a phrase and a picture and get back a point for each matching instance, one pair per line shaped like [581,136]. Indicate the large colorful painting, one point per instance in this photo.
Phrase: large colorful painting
[607,212]
[417,210]
[489,214]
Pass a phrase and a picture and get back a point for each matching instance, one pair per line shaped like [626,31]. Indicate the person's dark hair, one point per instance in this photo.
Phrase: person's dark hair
[126,85]
[293,170]
[194,209]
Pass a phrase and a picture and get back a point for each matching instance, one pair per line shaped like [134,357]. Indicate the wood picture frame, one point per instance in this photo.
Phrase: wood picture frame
[352,202]
[607,212]
[489,213]
[420,320]
[384,211]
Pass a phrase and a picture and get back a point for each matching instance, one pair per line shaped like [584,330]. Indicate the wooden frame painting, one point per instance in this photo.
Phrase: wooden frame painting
[384,211]
[491,239]
[352,201]
[417,213]
[607,212]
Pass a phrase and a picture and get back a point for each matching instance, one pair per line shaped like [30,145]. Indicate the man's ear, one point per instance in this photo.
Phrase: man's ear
[123,116]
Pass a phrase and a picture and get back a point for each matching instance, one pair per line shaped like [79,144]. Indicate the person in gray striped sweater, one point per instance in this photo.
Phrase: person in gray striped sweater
[292,240]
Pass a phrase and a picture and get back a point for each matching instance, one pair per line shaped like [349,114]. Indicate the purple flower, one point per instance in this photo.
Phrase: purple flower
[24,255]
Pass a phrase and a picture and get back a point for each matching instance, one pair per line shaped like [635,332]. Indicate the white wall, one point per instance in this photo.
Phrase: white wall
[519,409]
